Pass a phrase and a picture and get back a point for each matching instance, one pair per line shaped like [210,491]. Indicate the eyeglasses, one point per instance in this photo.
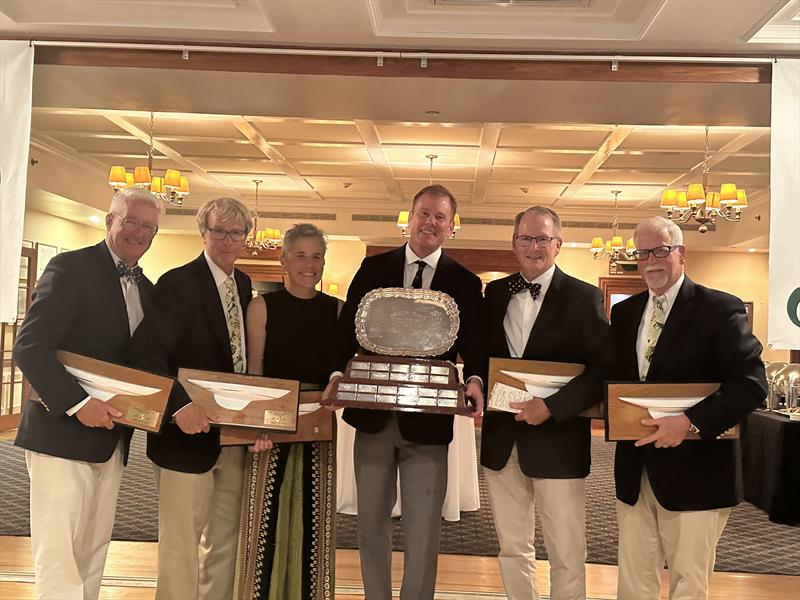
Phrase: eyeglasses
[542,241]
[129,224]
[236,235]
[658,252]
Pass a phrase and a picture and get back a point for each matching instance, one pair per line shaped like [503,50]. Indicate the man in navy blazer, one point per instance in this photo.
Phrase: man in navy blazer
[541,456]
[414,444]
[89,301]
[197,322]
[674,495]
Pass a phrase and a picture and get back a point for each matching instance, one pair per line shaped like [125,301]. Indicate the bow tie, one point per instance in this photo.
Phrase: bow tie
[518,283]
[132,273]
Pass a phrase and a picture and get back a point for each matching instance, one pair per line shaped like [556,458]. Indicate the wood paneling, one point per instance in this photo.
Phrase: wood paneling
[475,259]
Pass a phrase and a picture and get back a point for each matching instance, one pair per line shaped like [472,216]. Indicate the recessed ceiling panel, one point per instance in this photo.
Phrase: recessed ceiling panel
[534,137]
[682,161]
[535,158]
[306,153]
[429,133]
[528,174]
[299,130]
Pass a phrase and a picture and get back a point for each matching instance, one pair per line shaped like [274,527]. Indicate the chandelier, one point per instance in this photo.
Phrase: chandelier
[615,249]
[262,239]
[171,188]
[702,204]
[402,216]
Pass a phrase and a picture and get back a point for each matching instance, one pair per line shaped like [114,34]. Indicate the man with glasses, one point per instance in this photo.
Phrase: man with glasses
[674,496]
[541,455]
[198,323]
[89,301]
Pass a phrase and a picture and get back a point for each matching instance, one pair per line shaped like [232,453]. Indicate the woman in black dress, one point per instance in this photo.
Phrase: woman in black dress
[287,530]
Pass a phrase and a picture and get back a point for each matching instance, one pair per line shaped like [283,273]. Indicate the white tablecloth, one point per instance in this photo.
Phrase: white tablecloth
[462,471]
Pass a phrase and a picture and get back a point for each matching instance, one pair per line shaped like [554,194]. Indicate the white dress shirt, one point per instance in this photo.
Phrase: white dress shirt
[411,267]
[133,305]
[641,338]
[522,311]
[219,279]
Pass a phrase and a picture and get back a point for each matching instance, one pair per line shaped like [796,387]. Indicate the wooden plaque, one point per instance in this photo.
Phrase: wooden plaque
[316,426]
[560,369]
[143,410]
[623,419]
[221,394]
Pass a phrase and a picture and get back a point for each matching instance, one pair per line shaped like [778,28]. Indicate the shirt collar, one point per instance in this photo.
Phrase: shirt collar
[543,279]
[672,292]
[114,257]
[431,260]
[219,275]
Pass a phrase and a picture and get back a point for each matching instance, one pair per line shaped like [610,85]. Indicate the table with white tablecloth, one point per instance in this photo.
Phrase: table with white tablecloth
[462,471]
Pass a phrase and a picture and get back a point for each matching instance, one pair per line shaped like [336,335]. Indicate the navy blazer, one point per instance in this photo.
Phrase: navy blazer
[571,327]
[78,306]
[186,329]
[706,338]
[387,270]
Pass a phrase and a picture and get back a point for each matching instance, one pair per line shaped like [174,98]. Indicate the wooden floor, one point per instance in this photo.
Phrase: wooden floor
[130,575]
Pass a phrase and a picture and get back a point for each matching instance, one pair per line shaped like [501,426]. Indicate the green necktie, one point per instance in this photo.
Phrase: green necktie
[654,330]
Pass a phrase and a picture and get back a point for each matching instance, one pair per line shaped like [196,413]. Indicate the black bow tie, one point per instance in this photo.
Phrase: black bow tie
[132,273]
[518,283]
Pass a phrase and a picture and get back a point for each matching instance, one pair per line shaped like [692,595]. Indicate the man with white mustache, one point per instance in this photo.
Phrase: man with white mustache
[674,496]
[541,456]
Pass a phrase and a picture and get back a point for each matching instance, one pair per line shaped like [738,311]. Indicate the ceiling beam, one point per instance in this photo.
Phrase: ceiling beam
[696,172]
[369,133]
[490,136]
[614,139]
[279,160]
[166,150]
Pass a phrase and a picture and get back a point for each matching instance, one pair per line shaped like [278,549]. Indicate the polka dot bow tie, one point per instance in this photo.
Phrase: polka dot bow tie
[518,283]
[132,273]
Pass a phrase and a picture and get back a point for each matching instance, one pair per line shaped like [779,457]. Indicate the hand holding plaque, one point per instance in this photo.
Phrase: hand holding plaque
[403,326]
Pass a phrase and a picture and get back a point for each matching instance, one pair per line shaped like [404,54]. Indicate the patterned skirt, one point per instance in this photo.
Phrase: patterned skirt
[287,539]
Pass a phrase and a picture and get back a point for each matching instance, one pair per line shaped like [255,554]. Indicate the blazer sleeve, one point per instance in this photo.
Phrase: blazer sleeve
[743,387]
[158,334]
[594,340]
[55,309]
[469,331]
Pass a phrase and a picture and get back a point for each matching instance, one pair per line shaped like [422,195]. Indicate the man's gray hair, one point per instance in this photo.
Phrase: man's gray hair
[543,211]
[660,225]
[226,209]
[302,230]
[129,195]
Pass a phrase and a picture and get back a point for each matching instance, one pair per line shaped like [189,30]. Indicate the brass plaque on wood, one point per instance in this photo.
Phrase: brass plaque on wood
[517,380]
[244,400]
[628,403]
[140,396]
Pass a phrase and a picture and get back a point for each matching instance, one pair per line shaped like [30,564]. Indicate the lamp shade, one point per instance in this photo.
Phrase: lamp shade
[597,244]
[141,177]
[172,179]
[117,178]
[727,194]
[695,194]
[669,199]
[681,200]
[129,178]
[608,247]
[741,199]
[402,219]
[630,246]
[456,222]
[616,243]
[157,185]
[184,185]
[712,200]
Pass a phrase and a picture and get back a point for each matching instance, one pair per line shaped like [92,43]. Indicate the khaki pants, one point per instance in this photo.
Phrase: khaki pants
[198,529]
[72,515]
[561,504]
[649,533]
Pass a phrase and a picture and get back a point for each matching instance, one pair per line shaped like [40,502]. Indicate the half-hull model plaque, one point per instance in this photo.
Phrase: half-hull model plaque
[140,396]
[398,324]
[244,400]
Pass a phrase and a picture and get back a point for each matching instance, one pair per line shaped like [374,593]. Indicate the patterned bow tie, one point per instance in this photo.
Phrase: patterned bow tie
[518,283]
[132,273]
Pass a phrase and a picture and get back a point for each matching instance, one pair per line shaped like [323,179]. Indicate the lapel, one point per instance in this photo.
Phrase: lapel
[108,279]
[672,328]
[497,298]
[396,267]
[548,313]
[212,306]
[439,282]
[244,291]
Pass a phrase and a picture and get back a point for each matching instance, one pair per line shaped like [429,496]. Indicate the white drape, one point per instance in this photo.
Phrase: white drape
[784,240]
[16,83]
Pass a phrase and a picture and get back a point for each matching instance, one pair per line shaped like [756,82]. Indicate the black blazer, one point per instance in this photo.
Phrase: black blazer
[187,328]
[706,339]
[571,327]
[387,270]
[78,306]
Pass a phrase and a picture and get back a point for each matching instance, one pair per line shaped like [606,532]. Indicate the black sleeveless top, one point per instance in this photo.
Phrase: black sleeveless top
[299,333]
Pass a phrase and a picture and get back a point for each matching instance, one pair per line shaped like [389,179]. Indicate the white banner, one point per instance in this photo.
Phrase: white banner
[16,83]
[784,240]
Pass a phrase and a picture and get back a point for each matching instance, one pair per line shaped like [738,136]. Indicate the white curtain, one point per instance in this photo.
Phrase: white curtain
[16,82]
[784,239]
